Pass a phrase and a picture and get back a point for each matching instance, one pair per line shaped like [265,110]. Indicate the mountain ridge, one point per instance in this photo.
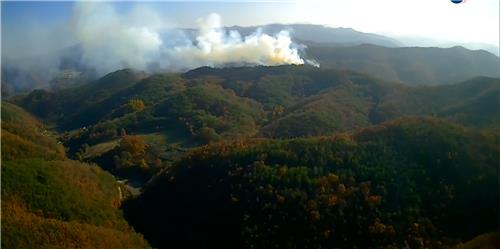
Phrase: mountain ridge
[334,47]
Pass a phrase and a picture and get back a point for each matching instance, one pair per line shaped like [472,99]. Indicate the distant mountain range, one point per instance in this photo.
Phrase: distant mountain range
[340,48]
[323,34]
[408,65]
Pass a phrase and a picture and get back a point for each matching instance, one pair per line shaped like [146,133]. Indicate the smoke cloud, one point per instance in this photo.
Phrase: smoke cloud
[100,39]
[214,46]
[141,40]
[111,41]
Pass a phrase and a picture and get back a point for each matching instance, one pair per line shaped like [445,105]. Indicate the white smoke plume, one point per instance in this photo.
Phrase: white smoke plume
[100,39]
[214,47]
[112,41]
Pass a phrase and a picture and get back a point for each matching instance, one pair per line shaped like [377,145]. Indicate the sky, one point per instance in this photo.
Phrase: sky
[25,24]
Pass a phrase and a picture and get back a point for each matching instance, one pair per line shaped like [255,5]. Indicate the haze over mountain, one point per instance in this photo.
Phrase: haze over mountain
[409,65]
[323,34]
[314,44]
[429,42]
[150,44]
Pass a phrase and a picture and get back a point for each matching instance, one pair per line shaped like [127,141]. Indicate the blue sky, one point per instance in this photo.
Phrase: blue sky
[14,12]
[182,13]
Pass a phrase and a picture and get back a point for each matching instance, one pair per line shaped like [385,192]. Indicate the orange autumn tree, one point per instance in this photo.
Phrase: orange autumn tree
[136,105]
[132,152]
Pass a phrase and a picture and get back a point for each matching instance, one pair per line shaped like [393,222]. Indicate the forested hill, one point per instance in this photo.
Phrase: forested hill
[49,201]
[171,113]
[305,101]
[412,182]
[408,65]
[266,100]
[252,157]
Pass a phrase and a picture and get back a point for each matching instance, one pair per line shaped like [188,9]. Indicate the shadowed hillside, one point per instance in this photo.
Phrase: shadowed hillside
[411,182]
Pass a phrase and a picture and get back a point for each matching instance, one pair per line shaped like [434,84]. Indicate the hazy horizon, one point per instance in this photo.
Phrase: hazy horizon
[31,28]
